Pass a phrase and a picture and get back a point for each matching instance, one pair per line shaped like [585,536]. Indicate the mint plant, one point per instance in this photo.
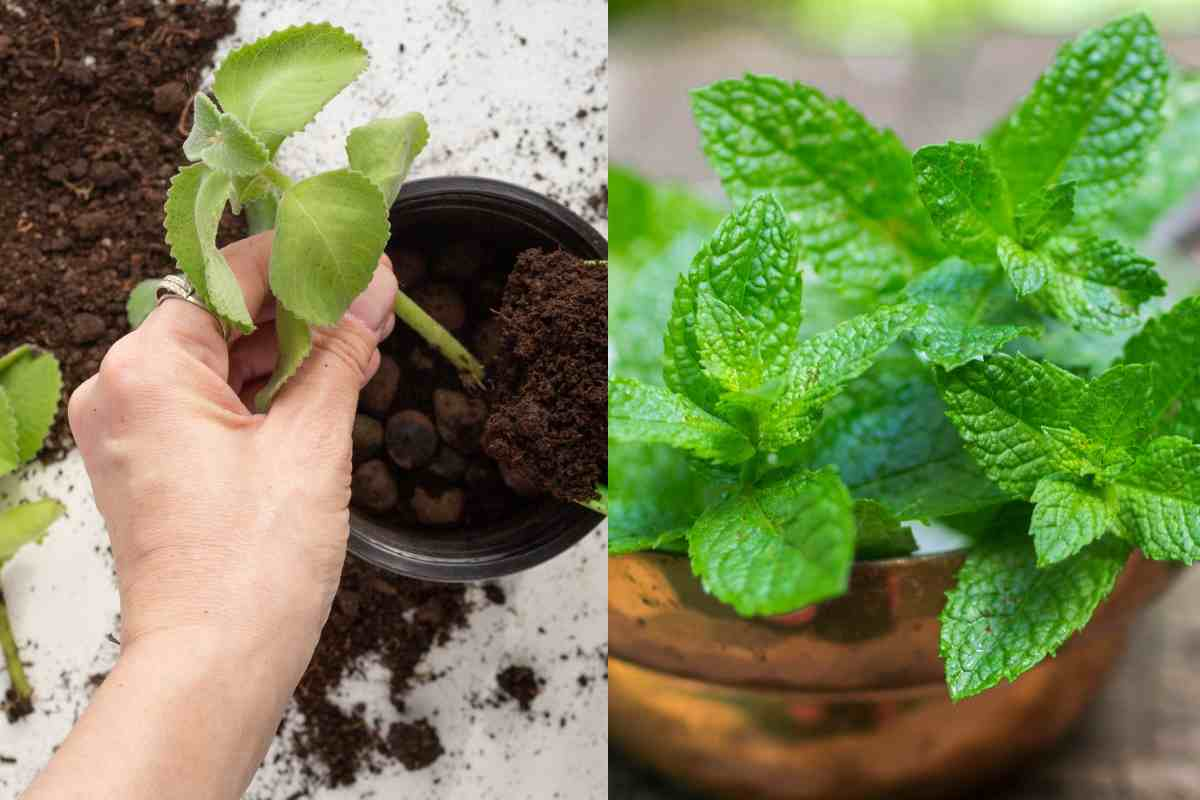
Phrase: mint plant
[30,383]
[330,229]
[967,357]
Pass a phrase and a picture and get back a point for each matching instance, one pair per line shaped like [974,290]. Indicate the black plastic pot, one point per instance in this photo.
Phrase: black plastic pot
[480,206]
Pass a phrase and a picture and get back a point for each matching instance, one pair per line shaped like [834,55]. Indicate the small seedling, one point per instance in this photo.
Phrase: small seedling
[330,229]
[30,383]
[806,442]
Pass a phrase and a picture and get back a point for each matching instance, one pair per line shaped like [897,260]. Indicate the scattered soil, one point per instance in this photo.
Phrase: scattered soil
[521,684]
[549,422]
[414,744]
[94,100]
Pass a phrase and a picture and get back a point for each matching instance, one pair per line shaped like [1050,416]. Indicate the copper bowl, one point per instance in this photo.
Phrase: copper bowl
[843,700]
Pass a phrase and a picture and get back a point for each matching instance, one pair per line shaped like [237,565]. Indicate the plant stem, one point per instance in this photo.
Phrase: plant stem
[440,338]
[260,214]
[281,182]
[12,658]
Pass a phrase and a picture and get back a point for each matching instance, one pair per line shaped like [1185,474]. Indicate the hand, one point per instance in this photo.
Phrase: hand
[228,528]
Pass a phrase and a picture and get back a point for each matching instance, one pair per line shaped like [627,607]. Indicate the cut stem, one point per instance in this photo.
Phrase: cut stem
[12,659]
[440,339]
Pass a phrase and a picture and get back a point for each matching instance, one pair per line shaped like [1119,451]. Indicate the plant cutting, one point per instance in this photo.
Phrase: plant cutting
[30,383]
[985,346]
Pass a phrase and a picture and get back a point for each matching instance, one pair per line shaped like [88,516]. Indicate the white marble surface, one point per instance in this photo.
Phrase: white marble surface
[523,70]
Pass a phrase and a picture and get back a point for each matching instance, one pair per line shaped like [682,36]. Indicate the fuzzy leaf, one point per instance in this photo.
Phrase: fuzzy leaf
[966,198]
[1067,517]
[277,84]
[1172,343]
[195,203]
[1045,214]
[223,142]
[1090,118]
[847,186]
[778,546]
[1097,284]
[329,233]
[384,150]
[965,305]
[1159,498]
[33,383]
[1006,615]
[25,523]
[141,302]
[295,343]
[639,413]
[879,534]
[206,124]
[10,445]
[1028,270]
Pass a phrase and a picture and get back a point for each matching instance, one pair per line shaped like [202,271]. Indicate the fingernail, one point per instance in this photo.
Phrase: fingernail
[373,307]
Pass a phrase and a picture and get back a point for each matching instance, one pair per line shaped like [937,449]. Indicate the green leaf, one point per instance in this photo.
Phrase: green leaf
[384,150]
[847,186]
[879,534]
[1159,499]
[966,304]
[623,540]
[1067,517]
[295,343]
[248,190]
[277,84]
[966,198]
[1090,118]
[10,444]
[25,523]
[1000,405]
[1172,343]
[195,203]
[1028,270]
[1097,284]
[141,302]
[222,142]
[777,547]
[823,364]
[1045,214]
[1118,408]
[640,413]
[329,233]
[33,384]
[1006,615]
[727,349]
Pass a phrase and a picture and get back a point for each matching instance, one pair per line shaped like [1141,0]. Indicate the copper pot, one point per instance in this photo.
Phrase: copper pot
[844,700]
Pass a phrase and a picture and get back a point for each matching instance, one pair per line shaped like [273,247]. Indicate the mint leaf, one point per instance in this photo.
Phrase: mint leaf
[277,84]
[384,150]
[1172,343]
[25,523]
[1159,497]
[1006,615]
[778,546]
[295,343]
[10,443]
[141,302]
[639,413]
[823,364]
[1067,517]
[966,198]
[195,203]
[1090,118]
[727,350]
[222,142]
[1097,284]
[329,232]
[965,305]
[33,383]
[1045,214]
[622,540]
[879,534]
[847,186]
[1117,411]
[1028,270]
[1000,406]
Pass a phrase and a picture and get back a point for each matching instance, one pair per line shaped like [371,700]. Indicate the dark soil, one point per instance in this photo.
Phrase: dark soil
[94,96]
[521,684]
[414,744]
[549,422]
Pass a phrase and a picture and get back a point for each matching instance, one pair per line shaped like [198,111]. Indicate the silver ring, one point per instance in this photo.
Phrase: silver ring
[178,287]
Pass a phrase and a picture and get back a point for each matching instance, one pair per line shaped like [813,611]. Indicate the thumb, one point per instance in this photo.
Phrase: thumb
[323,394]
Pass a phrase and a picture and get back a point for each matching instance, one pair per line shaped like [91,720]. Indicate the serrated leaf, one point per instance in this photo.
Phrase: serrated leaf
[640,413]
[10,446]
[1027,270]
[1045,214]
[329,232]
[384,150]
[622,540]
[1090,118]
[778,546]
[1097,284]
[1172,343]
[879,534]
[966,198]
[727,350]
[1000,406]
[195,203]
[1005,615]
[847,186]
[25,523]
[33,384]
[821,365]
[277,84]
[223,142]
[295,343]
[1118,406]
[141,302]
[965,304]
[1067,517]
[1159,499]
